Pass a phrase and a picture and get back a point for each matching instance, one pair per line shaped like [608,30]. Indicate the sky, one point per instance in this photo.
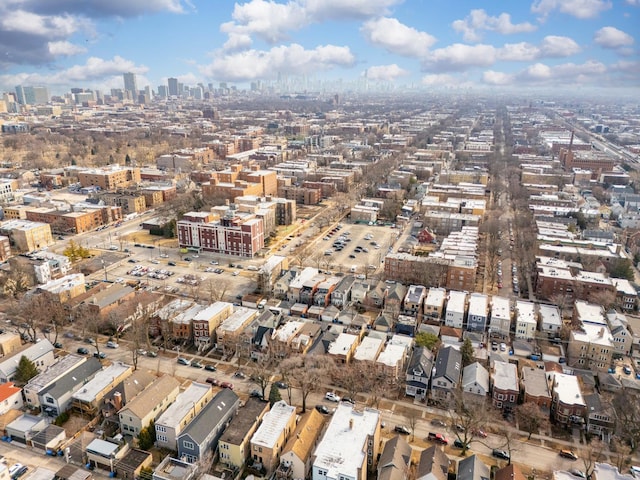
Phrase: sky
[498,44]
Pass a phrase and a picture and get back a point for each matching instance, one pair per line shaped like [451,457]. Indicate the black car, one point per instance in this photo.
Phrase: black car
[348,400]
[322,409]
[210,368]
[500,454]
[57,345]
[402,429]
[100,355]
[255,394]
[196,364]
[458,443]
[282,385]
[82,351]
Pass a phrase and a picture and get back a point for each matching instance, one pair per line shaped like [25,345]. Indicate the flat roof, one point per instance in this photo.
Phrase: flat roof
[342,344]
[505,376]
[436,296]
[183,404]
[500,307]
[392,356]
[456,302]
[567,388]
[102,379]
[368,349]
[273,423]
[342,448]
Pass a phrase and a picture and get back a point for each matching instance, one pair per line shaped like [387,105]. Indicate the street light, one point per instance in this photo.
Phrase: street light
[104,267]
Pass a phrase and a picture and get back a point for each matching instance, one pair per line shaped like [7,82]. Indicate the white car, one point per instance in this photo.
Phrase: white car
[332,397]
[111,344]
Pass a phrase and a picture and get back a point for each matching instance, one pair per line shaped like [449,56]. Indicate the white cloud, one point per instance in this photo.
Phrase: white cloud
[492,77]
[64,48]
[611,37]
[581,9]
[385,73]
[564,75]
[347,9]
[460,57]
[478,20]
[635,3]
[441,80]
[556,46]
[52,26]
[395,37]
[237,41]
[519,52]
[291,59]
[102,8]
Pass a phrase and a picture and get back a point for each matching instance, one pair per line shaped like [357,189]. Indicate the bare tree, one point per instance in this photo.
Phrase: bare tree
[627,406]
[622,452]
[593,454]
[260,373]
[509,439]
[531,419]
[469,416]
[306,373]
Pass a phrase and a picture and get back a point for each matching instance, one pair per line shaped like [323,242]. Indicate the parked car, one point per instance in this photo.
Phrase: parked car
[57,345]
[348,400]
[564,453]
[255,394]
[19,471]
[323,409]
[332,397]
[100,355]
[210,368]
[196,364]
[82,351]
[282,385]
[228,385]
[438,438]
[458,443]
[152,354]
[239,375]
[112,344]
[577,473]
[500,454]
[212,381]
[437,423]
[480,433]
[402,429]
[183,361]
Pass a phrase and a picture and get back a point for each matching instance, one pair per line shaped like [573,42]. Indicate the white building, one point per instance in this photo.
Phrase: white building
[41,354]
[456,309]
[526,322]
[478,315]
[550,321]
[349,445]
[500,323]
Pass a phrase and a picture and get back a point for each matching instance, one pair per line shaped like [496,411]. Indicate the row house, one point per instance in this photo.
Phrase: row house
[456,309]
[626,294]
[392,360]
[567,403]
[535,388]
[369,349]
[229,332]
[412,304]
[505,388]
[591,347]
[206,321]
[343,347]
[283,337]
[297,455]
[234,444]
[500,323]
[269,440]
[419,372]
[526,320]
[182,323]
[550,321]
[478,313]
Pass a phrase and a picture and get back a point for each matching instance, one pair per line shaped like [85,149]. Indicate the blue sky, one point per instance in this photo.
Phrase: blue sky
[499,44]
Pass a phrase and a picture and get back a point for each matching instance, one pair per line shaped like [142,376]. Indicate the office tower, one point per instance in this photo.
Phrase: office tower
[130,85]
[20,94]
[163,91]
[173,87]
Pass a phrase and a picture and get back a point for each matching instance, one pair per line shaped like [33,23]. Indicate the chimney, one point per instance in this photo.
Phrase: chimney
[601,332]
[351,424]
[117,400]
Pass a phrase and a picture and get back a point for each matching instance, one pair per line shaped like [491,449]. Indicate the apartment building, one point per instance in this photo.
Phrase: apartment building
[455,314]
[350,445]
[26,236]
[500,323]
[187,406]
[272,435]
[234,444]
[205,322]
[478,314]
[109,178]
[526,320]
[434,303]
[591,347]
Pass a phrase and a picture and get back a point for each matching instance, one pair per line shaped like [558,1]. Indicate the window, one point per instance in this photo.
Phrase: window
[188,445]
[162,438]
[161,428]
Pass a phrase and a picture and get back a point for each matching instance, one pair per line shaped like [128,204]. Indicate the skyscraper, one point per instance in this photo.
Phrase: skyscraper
[173,87]
[130,85]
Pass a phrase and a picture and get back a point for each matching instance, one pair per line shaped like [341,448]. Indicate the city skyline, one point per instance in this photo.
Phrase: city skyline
[544,44]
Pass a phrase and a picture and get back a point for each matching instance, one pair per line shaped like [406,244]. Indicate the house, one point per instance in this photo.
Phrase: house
[377,295]
[600,416]
[475,381]
[25,427]
[206,321]
[350,445]
[434,303]
[510,472]
[56,396]
[131,464]
[567,403]
[9,342]
[359,291]
[395,460]
[391,360]
[478,313]
[472,468]
[233,445]
[148,405]
[369,349]
[535,387]
[89,398]
[341,295]
[104,454]
[186,407]
[456,309]
[500,323]
[412,304]
[41,354]
[505,388]
[295,461]
[384,322]
[343,347]
[268,441]
[125,391]
[622,338]
[396,293]
[550,321]
[199,439]
[526,320]
[35,385]
[419,372]
[406,325]
[446,375]
[10,397]
[626,294]
[433,464]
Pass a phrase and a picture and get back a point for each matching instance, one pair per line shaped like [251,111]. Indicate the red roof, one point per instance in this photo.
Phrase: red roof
[7,390]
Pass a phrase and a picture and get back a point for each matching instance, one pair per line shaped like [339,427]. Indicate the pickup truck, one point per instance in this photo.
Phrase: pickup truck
[438,438]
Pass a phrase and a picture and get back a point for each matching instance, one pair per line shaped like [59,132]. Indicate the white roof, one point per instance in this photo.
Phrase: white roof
[624,286]
[98,383]
[594,334]
[456,301]
[172,308]
[342,448]
[212,310]
[550,314]
[478,304]
[505,376]
[273,422]
[37,350]
[402,340]
[435,297]
[55,371]
[500,307]
[342,344]
[288,330]
[237,319]
[605,471]
[64,283]
[368,349]
[183,404]
[526,312]
[392,356]
[187,315]
[568,389]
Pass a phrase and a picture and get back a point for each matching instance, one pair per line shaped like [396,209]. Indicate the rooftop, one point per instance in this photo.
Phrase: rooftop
[273,423]
[184,403]
[102,380]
